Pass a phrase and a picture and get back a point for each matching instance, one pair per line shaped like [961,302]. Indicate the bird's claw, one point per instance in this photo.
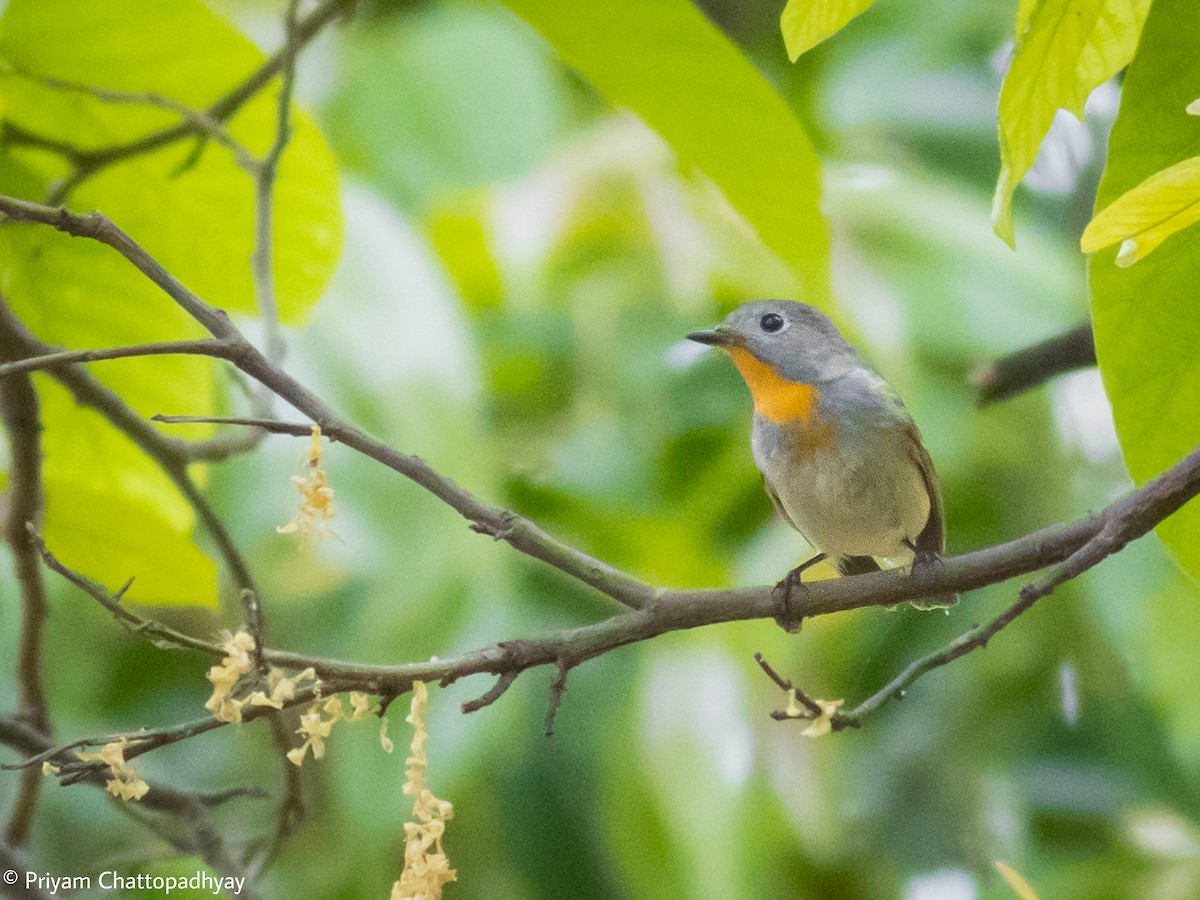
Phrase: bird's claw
[789,618]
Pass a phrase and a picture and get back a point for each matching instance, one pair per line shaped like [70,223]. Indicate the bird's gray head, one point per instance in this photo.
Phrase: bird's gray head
[797,340]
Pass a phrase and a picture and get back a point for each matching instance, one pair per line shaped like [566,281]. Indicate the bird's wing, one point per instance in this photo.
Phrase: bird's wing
[779,506]
[932,539]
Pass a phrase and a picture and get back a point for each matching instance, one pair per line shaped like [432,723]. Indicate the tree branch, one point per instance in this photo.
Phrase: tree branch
[1018,372]
[26,498]
[1072,548]
[87,162]
[190,809]
[652,611]
[171,454]
[500,524]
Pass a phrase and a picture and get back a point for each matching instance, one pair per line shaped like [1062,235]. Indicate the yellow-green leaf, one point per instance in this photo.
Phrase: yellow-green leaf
[664,60]
[1147,215]
[112,514]
[1024,13]
[1064,49]
[806,23]
[1147,330]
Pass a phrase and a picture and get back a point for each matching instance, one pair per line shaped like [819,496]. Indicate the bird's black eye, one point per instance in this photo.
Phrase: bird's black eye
[771,322]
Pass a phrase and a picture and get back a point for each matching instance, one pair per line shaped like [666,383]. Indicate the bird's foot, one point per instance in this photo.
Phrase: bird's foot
[928,561]
[789,590]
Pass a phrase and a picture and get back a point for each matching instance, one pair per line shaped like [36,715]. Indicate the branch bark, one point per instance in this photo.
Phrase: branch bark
[25,501]
[1034,365]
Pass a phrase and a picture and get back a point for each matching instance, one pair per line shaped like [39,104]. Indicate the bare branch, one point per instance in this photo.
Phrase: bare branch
[1018,372]
[55,359]
[558,687]
[295,429]
[189,809]
[784,684]
[171,454]
[497,690]
[264,190]
[89,161]
[653,611]
[21,416]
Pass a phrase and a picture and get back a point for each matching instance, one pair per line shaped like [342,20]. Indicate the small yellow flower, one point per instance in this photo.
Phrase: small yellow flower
[124,783]
[236,663]
[793,707]
[822,724]
[426,866]
[360,706]
[282,688]
[317,507]
[48,768]
[315,729]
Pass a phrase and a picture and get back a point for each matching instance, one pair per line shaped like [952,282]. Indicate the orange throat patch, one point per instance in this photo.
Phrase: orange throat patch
[775,398]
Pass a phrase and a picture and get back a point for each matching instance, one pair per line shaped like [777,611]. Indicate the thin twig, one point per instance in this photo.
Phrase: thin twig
[171,454]
[295,429]
[202,121]
[502,524]
[54,359]
[190,809]
[558,687]
[1018,372]
[494,693]
[290,811]
[89,162]
[264,190]
[786,685]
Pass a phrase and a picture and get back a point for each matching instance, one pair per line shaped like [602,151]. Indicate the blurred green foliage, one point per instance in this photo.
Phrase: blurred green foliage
[521,263]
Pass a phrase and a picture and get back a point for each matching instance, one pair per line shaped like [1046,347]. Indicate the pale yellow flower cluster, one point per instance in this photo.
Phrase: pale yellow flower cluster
[317,507]
[822,724]
[318,722]
[124,782]
[238,662]
[426,867]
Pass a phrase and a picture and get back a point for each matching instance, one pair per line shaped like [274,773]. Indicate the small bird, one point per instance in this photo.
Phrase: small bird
[840,456]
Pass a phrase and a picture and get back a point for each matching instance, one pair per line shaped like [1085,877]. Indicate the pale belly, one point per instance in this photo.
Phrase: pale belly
[867,502]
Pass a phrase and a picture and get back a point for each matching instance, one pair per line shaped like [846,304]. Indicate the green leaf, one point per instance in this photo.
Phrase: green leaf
[1145,320]
[664,60]
[1064,49]
[806,23]
[1144,217]
[198,224]
[110,512]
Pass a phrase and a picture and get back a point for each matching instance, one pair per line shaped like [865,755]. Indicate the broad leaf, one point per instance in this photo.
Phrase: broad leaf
[806,23]
[664,60]
[1144,217]
[1145,316]
[193,212]
[1064,49]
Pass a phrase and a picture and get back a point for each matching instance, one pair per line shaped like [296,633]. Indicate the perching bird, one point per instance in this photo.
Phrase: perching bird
[840,456]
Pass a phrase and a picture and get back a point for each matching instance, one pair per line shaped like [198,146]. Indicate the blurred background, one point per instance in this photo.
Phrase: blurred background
[520,266]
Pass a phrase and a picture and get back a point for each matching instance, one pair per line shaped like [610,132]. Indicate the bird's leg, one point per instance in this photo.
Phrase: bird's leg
[788,619]
[923,557]
[925,560]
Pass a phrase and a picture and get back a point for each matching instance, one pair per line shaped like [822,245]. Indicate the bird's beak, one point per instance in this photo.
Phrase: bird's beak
[720,336]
